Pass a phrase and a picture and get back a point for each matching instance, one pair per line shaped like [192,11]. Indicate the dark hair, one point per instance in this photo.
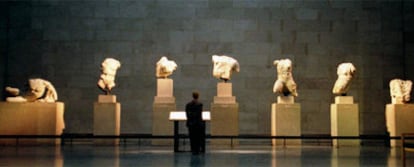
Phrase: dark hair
[195,95]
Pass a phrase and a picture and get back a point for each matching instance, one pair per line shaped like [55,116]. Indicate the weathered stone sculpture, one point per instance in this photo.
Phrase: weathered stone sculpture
[345,73]
[400,91]
[224,66]
[284,83]
[165,67]
[40,90]
[108,71]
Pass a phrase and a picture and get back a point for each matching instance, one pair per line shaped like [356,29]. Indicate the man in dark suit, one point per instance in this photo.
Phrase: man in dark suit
[195,124]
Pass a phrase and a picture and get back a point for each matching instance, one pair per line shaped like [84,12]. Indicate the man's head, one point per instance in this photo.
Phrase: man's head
[195,95]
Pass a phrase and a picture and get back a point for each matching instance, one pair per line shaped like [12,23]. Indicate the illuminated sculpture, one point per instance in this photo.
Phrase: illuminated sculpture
[345,73]
[165,67]
[400,91]
[108,71]
[224,66]
[284,83]
[40,90]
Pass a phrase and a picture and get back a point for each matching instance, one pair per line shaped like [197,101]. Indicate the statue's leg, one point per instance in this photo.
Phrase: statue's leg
[291,86]
[278,87]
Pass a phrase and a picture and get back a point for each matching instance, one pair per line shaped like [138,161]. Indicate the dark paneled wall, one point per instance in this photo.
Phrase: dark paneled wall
[65,42]
[3,42]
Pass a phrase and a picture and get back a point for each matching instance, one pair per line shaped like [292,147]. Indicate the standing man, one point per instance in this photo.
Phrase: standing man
[195,124]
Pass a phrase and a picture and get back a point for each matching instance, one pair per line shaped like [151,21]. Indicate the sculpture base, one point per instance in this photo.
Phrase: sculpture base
[161,125]
[344,121]
[224,122]
[399,119]
[224,89]
[285,121]
[165,87]
[285,100]
[224,100]
[164,91]
[31,118]
[163,100]
[224,94]
[344,100]
[106,121]
[106,99]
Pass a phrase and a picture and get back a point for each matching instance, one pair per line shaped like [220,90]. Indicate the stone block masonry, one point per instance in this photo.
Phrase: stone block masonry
[64,42]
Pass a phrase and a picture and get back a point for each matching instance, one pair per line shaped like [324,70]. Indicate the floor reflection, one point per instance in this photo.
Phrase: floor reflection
[241,156]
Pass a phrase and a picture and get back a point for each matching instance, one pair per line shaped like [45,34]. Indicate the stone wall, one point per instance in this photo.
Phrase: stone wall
[408,38]
[3,43]
[65,42]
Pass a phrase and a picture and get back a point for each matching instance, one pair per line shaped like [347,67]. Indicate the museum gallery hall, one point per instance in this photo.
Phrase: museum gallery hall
[206,83]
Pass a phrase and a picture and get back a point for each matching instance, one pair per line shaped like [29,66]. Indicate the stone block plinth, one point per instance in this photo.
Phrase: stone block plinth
[164,103]
[399,119]
[165,87]
[285,99]
[345,121]
[106,99]
[224,122]
[106,121]
[224,94]
[286,121]
[161,125]
[31,118]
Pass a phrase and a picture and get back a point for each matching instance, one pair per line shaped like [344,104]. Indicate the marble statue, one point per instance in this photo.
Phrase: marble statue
[284,83]
[345,73]
[165,67]
[39,90]
[400,91]
[224,66]
[108,71]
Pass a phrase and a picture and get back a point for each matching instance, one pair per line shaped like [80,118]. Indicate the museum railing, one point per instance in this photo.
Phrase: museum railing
[70,138]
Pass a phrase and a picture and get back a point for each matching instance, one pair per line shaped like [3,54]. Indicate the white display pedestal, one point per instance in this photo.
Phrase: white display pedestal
[285,120]
[164,103]
[106,119]
[224,115]
[31,118]
[400,119]
[345,121]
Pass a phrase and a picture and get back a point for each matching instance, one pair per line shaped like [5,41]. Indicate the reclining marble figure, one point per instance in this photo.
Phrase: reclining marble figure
[284,84]
[224,66]
[40,91]
[345,72]
[165,67]
[400,91]
[108,71]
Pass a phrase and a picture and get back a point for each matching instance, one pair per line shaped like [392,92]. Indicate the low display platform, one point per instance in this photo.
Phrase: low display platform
[31,118]
[345,121]
[286,121]
[224,115]
[164,103]
[399,119]
[106,119]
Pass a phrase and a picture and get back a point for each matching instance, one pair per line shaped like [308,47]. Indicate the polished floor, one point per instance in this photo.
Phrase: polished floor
[101,156]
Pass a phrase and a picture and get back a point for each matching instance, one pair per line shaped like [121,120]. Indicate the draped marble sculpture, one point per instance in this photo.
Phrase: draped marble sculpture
[284,84]
[346,72]
[224,66]
[165,67]
[400,91]
[108,71]
[39,90]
